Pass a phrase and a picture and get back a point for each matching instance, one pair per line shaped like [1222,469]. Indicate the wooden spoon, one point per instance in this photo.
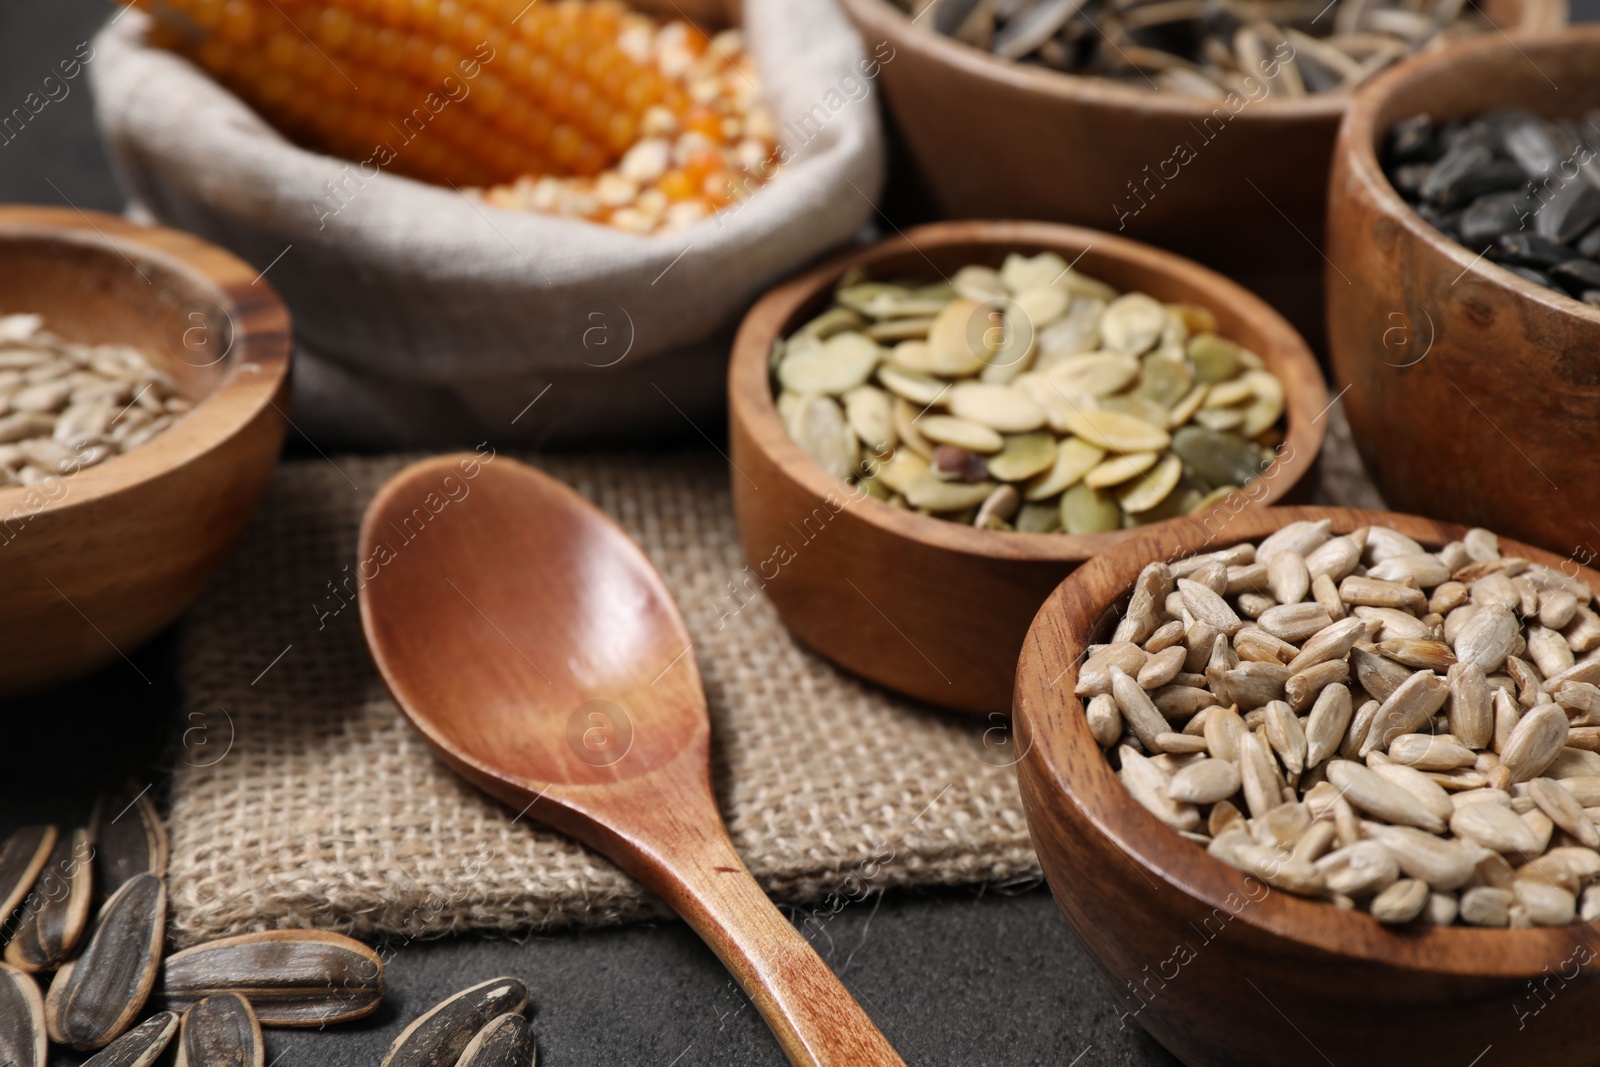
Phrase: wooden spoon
[537,650]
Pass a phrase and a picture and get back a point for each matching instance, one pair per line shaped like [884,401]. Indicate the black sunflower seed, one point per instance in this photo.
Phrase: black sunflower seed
[439,1037]
[505,1042]
[95,998]
[22,857]
[220,1031]
[129,837]
[292,978]
[22,1031]
[139,1047]
[56,911]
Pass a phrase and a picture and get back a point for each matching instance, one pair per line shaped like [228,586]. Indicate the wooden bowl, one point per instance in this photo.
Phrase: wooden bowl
[924,606]
[1217,967]
[1241,192]
[1473,393]
[97,561]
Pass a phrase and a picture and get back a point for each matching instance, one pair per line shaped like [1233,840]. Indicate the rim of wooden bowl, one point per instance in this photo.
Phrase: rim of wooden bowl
[1360,135]
[750,394]
[1536,15]
[1053,731]
[257,361]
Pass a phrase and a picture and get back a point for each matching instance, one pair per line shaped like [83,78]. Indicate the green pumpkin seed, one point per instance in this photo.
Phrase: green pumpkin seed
[22,1028]
[1097,375]
[1115,431]
[129,837]
[1075,332]
[932,493]
[870,412]
[1145,492]
[1086,510]
[1074,459]
[505,1042]
[1039,518]
[1215,359]
[1016,350]
[864,296]
[892,330]
[1000,407]
[292,978]
[1021,273]
[57,910]
[903,469]
[1219,418]
[834,320]
[979,284]
[1023,456]
[817,425]
[1119,469]
[963,338]
[1165,380]
[139,1047]
[1141,408]
[1213,498]
[440,1036]
[920,389]
[843,362]
[1132,323]
[1043,304]
[221,1031]
[22,857]
[1265,411]
[913,356]
[949,430]
[1227,394]
[1219,458]
[97,996]
[1185,409]
[905,428]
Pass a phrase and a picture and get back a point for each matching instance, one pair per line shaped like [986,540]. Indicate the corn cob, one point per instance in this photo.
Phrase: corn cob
[580,107]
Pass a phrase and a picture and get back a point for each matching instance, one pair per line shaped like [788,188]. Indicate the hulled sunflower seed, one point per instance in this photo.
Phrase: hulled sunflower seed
[57,910]
[1495,828]
[505,1042]
[221,1031]
[129,837]
[442,1034]
[1429,753]
[1138,711]
[22,1029]
[1410,706]
[1359,870]
[292,978]
[1441,862]
[1376,796]
[1564,810]
[1486,906]
[1545,905]
[97,996]
[1401,902]
[1205,781]
[1535,742]
[22,857]
[139,1047]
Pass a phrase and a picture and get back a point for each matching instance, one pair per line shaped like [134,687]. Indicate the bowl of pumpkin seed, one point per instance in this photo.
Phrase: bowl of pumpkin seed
[949,421]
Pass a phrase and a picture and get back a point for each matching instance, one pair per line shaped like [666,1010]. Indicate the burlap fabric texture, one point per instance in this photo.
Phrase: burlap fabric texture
[422,317]
[303,798]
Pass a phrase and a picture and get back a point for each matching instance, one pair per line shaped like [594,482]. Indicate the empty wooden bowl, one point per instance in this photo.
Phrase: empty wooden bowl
[1239,188]
[1219,968]
[1474,394]
[94,562]
[925,606]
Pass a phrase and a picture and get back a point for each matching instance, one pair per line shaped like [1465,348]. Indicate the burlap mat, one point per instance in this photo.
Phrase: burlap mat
[302,798]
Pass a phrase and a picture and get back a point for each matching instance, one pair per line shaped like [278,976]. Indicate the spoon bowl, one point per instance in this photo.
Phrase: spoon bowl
[534,646]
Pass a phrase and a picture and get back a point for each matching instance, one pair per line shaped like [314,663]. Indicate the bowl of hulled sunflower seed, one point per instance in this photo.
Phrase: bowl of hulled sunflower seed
[1324,781]
[143,390]
[928,434]
[1204,126]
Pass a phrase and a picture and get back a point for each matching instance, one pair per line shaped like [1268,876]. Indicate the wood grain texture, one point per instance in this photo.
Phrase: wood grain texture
[536,649]
[991,137]
[1495,425]
[921,605]
[104,558]
[1217,967]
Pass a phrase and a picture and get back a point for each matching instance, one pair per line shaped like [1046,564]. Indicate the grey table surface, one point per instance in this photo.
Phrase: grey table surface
[971,977]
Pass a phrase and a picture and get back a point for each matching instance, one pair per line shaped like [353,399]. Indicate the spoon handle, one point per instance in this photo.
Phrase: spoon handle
[672,839]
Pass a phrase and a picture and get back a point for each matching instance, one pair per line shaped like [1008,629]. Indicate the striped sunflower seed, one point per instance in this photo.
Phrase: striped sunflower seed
[57,910]
[96,997]
[22,1029]
[22,857]
[505,1042]
[129,837]
[292,978]
[221,1031]
[139,1047]
[442,1034]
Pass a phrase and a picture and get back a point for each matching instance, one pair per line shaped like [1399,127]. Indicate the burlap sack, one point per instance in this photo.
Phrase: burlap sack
[423,317]
[303,798]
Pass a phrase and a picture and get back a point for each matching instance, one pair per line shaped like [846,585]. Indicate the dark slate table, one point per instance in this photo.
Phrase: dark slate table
[965,978]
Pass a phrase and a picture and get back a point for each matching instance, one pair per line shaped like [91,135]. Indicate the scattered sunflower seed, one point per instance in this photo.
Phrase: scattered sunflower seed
[22,1029]
[96,997]
[22,857]
[221,1031]
[129,837]
[57,910]
[442,1034]
[139,1047]
[292,978]
[505,1042]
